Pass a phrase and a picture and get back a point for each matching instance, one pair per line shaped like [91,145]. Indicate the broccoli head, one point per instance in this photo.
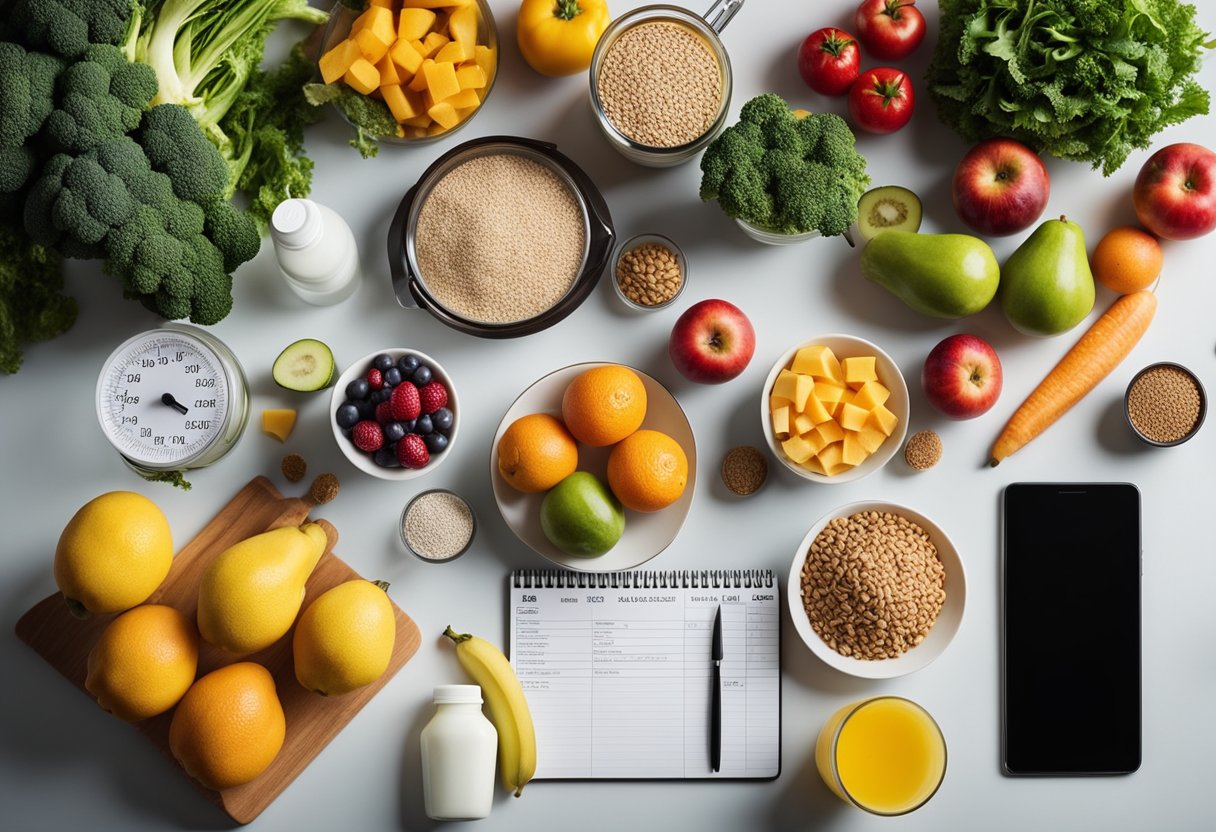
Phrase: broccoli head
[99,97]
[74,203]
[32,304]
[27,85]
[176,146]
[787,174]
[67,27]
[233,232]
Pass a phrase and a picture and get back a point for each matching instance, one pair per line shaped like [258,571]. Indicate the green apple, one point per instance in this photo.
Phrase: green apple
[941,275]
[580,516]
[1046,285]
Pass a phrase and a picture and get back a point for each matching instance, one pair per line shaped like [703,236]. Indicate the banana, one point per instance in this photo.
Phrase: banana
[508,707]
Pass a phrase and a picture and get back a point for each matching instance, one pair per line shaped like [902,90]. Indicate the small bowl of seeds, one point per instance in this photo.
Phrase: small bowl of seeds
[649,272]
[1165,404]
[438,525]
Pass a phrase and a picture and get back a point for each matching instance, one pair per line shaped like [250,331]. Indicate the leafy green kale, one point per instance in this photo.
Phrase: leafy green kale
[783,173]
[371,119]
[32,304]
[1086,80]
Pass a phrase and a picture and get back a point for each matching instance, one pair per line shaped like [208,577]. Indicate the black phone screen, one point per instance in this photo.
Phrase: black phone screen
[1071,628]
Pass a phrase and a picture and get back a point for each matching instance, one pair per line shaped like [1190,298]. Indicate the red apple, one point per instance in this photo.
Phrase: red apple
[962,376]
[1175,192]
[1000,187]
[712,342]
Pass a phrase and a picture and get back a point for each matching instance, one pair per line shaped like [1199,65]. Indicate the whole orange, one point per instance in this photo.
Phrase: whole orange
[647,471]
[1127,260]
[604,404]
[229,726]
[143,663]
[536,452]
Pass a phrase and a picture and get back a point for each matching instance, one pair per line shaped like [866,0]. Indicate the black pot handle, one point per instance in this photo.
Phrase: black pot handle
[398,262]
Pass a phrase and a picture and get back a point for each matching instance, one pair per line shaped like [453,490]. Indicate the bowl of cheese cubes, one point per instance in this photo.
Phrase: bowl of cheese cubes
[834,409]
[409,71]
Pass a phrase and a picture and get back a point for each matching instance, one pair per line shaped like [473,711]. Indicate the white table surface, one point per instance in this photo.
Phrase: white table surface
[64,764]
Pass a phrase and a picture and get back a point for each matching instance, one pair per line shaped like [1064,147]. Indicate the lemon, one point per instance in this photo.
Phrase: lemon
[143,663]
[344,639]
[114,552]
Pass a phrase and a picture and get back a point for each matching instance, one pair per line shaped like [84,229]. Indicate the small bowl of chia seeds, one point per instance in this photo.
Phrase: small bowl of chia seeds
[438,525]
[1165,404]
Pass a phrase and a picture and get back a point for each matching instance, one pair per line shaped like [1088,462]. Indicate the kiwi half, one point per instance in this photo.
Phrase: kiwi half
[889,208]
[305,366]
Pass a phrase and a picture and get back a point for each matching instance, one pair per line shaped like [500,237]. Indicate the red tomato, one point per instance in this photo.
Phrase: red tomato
[828,61]
[890,29]
[881,100]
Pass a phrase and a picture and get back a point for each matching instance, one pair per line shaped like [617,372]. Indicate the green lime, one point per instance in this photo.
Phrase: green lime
[580,516]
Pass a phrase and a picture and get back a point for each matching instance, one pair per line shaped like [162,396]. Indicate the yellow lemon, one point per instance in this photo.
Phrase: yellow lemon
[114,552]
[143,663]
[344,639]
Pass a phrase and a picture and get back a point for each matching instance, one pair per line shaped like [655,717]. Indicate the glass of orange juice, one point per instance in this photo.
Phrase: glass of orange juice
[885,755]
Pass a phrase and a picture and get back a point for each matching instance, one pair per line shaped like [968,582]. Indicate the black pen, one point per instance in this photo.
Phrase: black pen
[715,700]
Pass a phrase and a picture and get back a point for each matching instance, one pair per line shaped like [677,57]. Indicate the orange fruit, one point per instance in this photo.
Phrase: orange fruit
[536,452]
[603,405]
[229,726]
[647,471]
[143,663]
[1127,260]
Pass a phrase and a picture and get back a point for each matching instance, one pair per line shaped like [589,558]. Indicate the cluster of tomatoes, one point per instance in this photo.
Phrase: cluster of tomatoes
[829,60]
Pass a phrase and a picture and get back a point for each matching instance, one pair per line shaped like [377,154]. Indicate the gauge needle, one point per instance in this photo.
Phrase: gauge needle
[174,403]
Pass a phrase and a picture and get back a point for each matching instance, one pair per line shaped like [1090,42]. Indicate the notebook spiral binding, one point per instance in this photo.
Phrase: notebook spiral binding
[665,579]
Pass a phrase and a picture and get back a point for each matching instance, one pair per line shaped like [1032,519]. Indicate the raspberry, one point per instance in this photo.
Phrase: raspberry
[375,379]
[384,413]
[412,452]
[405,403]
[433,396]
[367,436]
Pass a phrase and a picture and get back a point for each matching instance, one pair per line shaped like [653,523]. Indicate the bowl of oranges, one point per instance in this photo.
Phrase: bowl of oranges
[594,467]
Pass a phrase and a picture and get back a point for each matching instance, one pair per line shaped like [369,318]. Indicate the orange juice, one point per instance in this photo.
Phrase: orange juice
[886,755]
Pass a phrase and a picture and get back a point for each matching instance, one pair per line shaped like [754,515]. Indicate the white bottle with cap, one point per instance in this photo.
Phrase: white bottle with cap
[316,251]
[459,747]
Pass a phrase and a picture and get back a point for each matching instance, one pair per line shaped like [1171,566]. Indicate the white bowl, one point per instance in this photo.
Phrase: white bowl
[364,461]
[774,238]
[844,346]
[940,634]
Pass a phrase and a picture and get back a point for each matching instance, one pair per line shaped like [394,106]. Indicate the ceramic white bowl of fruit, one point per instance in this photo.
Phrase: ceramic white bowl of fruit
[834,409]
[387,430]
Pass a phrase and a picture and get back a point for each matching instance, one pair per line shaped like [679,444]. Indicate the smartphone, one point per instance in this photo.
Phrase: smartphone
[1070,629]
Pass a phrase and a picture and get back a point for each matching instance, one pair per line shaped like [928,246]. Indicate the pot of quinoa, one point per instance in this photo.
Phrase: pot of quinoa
[501,237]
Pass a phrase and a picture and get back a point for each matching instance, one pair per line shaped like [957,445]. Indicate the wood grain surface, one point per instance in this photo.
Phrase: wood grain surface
[312,720]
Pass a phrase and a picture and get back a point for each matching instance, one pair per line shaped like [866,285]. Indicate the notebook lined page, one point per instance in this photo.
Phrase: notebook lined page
[618,679]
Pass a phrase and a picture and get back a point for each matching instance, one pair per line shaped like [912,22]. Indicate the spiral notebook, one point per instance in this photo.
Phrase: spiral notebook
[617,670]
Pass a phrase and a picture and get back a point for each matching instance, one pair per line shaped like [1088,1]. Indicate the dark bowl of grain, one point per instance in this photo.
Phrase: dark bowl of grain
[649,272]
[501,237]
[1165,404]
[661,82]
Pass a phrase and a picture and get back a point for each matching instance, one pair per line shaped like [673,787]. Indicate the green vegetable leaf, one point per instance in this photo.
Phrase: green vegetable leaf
[32,304]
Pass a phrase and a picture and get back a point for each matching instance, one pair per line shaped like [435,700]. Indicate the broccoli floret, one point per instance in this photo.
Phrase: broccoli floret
[99,97]
[27,85]
[233,232]
[175,146]
[32,304]
[783,173]
[371,119]
[67,27]
[74,203]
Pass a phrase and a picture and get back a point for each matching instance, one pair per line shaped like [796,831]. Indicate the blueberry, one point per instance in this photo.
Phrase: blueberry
[358,389]
[393,432]
[436,443]
[408,425]
[422,375]
[422,425]
[366,408]
[382,395]
[442,419]
[386,457]
[382,361]
[392,377]
[407,364]
[347,415]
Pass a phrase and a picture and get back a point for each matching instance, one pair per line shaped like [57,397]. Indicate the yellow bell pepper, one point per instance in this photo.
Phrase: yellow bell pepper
[557,37]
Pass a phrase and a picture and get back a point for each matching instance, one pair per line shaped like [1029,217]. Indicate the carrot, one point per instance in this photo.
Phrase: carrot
[1100,350]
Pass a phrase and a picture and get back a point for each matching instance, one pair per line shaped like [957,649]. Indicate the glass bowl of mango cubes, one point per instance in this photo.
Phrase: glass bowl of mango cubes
[409,71]
[834,409]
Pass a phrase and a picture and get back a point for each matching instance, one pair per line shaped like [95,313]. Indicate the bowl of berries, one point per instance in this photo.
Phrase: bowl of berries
[394,414]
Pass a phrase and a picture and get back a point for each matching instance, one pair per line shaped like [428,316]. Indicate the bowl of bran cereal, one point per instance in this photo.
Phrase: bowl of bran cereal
[501,237]
[876,590]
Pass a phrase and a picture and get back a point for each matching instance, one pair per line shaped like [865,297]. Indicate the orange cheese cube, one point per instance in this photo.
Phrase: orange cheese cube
[486,58]
[818,361]
[278,422]
[781,422]
[852,417]
[337,61]
[828,392]
[803,424]
[471,77]
[388,4]
[390,73]
[418,84]
[453,52]
[883,419]
[441,81]
[832,456]
[403,104]
[815,441]
[813,465]
[413,24]
[858,370]
[445,114]
[434,4]
[871,395]
[421,120]
[852,451]
[802,391]
[433,42]
[464,100]
[839,468]
[797,449]
[775,402]
[406,56]
[816,410]
[462,26]
[870,437]
[370,44]
[362,77]
[374,17]
[830,431]
[786,385]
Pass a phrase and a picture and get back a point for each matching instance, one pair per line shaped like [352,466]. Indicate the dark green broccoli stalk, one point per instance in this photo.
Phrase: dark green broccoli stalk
[32,304]
[786,174]
[67,27]
[99,97]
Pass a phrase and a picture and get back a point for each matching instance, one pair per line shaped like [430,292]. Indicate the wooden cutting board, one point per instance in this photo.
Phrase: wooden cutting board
[312,720]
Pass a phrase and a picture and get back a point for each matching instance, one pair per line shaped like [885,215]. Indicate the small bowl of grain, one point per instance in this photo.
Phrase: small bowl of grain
[876,590]
[649,272]
[438,526]
[1165,404]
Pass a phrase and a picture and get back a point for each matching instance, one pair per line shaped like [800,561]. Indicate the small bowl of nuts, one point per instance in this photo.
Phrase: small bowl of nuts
[649,272]
[876,590]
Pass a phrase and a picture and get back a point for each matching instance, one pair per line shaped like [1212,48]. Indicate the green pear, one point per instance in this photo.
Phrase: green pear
[941,275]
[581,516]
[250,594]
[1046,285]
